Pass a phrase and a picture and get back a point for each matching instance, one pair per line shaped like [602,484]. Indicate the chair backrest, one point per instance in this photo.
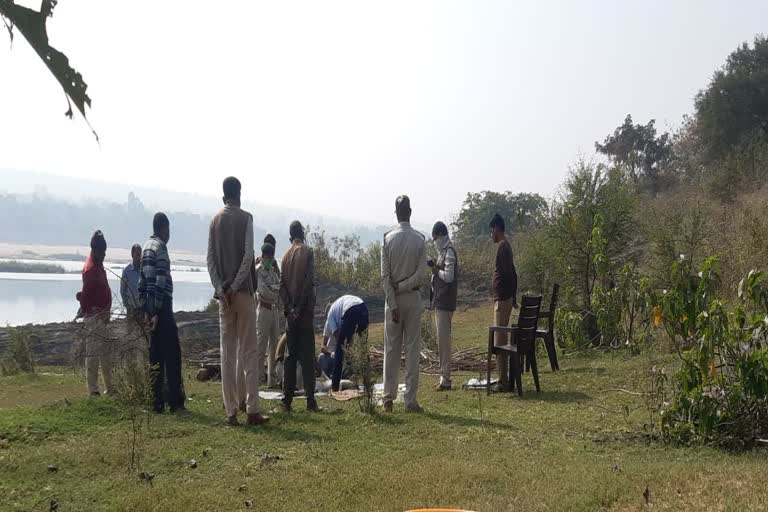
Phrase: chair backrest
[528,320]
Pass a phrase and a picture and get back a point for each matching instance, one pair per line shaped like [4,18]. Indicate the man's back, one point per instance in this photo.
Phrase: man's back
[228,236]
[297,278]
[405,249]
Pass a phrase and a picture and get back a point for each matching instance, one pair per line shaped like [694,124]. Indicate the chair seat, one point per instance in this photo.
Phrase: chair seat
[506,348]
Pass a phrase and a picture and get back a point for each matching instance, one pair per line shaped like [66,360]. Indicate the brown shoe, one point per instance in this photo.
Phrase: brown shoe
[388,407]
[441,387]
[232,421]
[255,420]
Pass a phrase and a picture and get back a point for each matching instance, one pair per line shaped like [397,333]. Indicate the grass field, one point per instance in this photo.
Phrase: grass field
[569,448]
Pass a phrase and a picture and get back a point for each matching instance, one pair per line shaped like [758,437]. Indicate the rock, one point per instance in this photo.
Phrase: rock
[4,444]
[54,505]
[248,503]
[193,464]
[53,468]
[241,488]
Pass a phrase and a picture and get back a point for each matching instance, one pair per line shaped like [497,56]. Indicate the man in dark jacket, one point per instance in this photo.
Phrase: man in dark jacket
[504,295]
[297,293]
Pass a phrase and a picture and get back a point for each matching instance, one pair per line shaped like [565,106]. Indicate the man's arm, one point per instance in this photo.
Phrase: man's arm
[285,297]
[421,275]
[448,274]
[152,276]
[308,293]
[124,289]
[245,266]
[213,265]
[264,290]
[386,277]
[507,270]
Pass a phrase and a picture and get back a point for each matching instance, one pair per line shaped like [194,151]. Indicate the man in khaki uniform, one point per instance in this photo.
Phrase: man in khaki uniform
[267,314]
[445,286]
[403,272]
[504,296]
[233,275]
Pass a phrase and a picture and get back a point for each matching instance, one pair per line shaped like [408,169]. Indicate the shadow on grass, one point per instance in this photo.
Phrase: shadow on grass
[555,396]
[599,370]
[279,426]
[464,421]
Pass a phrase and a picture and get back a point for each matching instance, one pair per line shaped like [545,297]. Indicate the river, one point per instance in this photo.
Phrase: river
[45,298]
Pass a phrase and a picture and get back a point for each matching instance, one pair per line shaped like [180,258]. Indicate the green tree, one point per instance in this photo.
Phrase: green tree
[733,109]
[522,212]
[640,152]
[593,197]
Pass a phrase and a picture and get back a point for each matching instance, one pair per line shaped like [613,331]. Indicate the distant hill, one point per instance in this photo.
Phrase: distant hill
[53,210]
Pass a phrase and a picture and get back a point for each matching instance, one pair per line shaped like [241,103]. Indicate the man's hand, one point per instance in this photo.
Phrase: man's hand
[324,350]
[151,323]
[226,298]
[396,315]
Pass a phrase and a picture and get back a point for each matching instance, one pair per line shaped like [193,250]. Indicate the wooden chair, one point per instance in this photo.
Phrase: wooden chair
[548,334]
[522,342]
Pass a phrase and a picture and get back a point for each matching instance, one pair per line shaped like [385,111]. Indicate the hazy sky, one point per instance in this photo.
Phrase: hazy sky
[337,107]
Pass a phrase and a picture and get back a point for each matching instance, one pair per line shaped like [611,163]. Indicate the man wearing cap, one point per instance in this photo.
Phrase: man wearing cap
[297,294]
[403,272]
[96,307]
[267,317]
[233,275]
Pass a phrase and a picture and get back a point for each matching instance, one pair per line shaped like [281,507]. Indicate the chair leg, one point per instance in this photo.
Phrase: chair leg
[527,362]
[488,377]
[517,377]
[534,368]
[549,344]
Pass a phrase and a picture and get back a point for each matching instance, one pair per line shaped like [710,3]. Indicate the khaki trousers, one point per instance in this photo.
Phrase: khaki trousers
[443,321]
[267,330]
[502,310]
[237,324]
[98,352]
[136,351]
[407,332]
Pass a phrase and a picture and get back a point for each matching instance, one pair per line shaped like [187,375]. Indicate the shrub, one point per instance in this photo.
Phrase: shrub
[721,389]
[19,358]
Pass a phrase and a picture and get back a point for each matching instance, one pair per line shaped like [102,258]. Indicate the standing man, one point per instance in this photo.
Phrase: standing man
[129,293]
[271,341]
[403,272]
[297,293]
[156,299]
[347,316]
[504,288]
[267,315]
[233,275]
[445,288]
[96,308]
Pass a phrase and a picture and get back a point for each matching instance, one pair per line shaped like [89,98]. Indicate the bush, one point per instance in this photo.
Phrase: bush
[721,390]
[19,358]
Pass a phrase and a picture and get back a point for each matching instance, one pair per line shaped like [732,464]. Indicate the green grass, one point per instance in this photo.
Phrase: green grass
[568,448]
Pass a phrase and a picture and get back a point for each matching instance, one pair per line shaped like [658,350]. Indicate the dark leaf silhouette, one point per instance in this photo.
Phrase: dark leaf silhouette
[32,25]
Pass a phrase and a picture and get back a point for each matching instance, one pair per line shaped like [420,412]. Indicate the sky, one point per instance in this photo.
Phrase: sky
[337,107]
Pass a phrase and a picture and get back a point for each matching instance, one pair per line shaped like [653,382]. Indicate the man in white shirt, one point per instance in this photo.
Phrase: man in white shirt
[403,272]
[347,316]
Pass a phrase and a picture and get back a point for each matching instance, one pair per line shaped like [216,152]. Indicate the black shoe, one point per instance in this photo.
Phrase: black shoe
[502,387]
[95,393]
[313,406]
[158,410]
[180,411]
[287,407]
